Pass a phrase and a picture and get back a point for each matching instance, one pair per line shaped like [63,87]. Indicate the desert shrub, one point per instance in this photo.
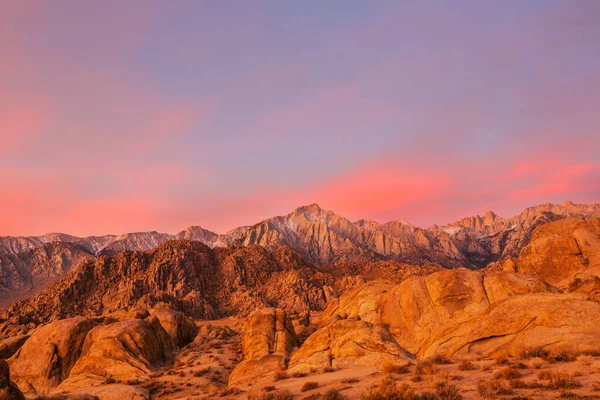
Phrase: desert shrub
[280,375]
[202,372]
[392,368]
[441,360]
[568,395]
[351,380]
[501,358]
[447,391]
[309,386]
[332,394]
[559,380]
[269,388]
[544,375]
[388,390]
[508,373]
[534,352]
[487,389]
[273,395]
[329,369]
[298,375]
[425,368]
[561,356]
[466,365]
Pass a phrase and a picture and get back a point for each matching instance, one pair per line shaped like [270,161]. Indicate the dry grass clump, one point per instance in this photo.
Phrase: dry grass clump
[561,380]
[329,369]
[447,391]
[508,373]
[332,394]
[309,386]
[466,365]
[273,395]
[501,358]
[486,389]
[441,360]
[392,368]
[388,390]
[280,375]
[425,367]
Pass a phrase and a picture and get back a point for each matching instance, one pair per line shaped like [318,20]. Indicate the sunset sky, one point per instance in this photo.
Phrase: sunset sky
[120,116]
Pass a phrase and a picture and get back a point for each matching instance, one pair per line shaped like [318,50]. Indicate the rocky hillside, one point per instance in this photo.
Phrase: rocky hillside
[321,237]
[202,282]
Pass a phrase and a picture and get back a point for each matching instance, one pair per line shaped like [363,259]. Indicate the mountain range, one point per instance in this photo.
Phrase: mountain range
[320,237]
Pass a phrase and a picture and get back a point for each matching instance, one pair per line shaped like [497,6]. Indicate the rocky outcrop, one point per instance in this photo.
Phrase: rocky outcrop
[555,322]
[46,358]
[8,389]
[347,344]
[420,307]
[562,251]
[121,350]
[180,328]
[269,338]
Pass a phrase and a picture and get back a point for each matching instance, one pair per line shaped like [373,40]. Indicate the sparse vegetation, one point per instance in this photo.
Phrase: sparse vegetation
[441,360]
[388,390]
[273,395]
[280,375]
[447,391]
[332,394]
[309,386]
[466,365]
[392,368]
[425,368]
[508,373]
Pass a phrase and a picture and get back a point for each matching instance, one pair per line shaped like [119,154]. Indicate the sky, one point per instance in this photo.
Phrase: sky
[156,115]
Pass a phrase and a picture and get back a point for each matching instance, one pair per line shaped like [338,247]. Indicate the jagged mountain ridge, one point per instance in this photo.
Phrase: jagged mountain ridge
[325,237]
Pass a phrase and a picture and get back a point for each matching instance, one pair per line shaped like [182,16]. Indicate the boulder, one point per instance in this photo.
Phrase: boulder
[269,339]
[548,320]
[347,344]
[122,350]
[560,251]
[180,328]
[46,358]
[10,345]
[419,307]
[8,389]
[362,302]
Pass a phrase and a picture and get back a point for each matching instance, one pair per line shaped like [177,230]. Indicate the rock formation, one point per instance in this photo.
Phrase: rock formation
[8,389]
[347,344]
[269,338]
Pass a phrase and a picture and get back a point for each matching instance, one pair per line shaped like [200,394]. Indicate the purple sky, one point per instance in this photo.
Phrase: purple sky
[156,115]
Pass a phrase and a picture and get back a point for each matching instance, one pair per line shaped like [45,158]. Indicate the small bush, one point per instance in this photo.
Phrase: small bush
[309,386]
[425,368]
[329,369]
[388,390]
[269,388]
[508,373]
[280,375]
[441,360]
[351,380]
[466,365]
[501,358]
[273,395]
[202,372]
[487,389]
[560,380]
[332,394]
[392,368]
[447,391]
[535,352]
